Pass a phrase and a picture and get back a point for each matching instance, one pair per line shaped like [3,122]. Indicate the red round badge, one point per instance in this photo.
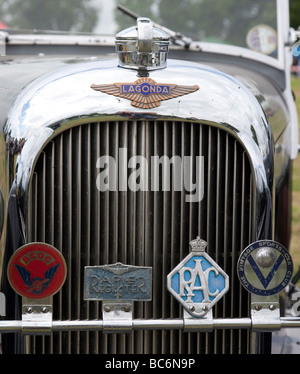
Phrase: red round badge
[37,270]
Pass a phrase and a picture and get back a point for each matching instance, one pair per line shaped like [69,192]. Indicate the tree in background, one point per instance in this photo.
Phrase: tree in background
[193,18]
[295,13]
[140,7]
[206,20]
[65,15]
[222,21]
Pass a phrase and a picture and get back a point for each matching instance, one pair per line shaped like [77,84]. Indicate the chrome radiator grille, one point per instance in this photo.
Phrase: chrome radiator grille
[147,228]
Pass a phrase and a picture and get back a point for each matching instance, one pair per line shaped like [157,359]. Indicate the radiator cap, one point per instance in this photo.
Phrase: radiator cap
[142,47]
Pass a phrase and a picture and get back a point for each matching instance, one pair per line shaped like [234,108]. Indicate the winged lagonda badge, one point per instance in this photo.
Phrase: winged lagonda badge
[145,93]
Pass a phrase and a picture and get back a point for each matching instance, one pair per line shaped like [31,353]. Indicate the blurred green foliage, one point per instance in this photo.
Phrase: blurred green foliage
[63,15]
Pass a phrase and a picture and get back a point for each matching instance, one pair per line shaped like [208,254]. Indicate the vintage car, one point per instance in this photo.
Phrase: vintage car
[146,192]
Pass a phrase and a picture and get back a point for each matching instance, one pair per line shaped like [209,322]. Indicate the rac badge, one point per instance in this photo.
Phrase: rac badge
[265,268]
[198,283]
[36,270]
[145,93]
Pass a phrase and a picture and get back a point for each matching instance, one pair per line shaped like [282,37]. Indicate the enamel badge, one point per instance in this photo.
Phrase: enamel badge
[198,282]
[265,268]
[118,282]
[37,270]
[145,93]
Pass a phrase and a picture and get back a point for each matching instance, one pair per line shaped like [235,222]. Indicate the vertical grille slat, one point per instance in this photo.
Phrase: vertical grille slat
[147,227]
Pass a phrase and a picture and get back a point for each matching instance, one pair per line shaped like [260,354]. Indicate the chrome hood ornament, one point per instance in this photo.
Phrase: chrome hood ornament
[143,47]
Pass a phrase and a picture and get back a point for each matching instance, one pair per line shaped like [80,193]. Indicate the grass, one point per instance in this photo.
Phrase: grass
[295,239]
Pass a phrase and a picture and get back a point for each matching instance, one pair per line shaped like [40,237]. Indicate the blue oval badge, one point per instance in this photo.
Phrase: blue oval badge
[265,268]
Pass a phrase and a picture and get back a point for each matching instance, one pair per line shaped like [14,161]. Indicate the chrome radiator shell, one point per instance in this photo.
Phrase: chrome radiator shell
[77,127]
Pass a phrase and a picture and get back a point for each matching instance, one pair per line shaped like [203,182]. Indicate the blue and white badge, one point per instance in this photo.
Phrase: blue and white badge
[198,282]
[265,268]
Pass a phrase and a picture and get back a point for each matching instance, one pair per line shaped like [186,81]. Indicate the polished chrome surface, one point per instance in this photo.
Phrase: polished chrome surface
[141,228]
[142,47]
[60,109]
[63,98]
[153,324]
